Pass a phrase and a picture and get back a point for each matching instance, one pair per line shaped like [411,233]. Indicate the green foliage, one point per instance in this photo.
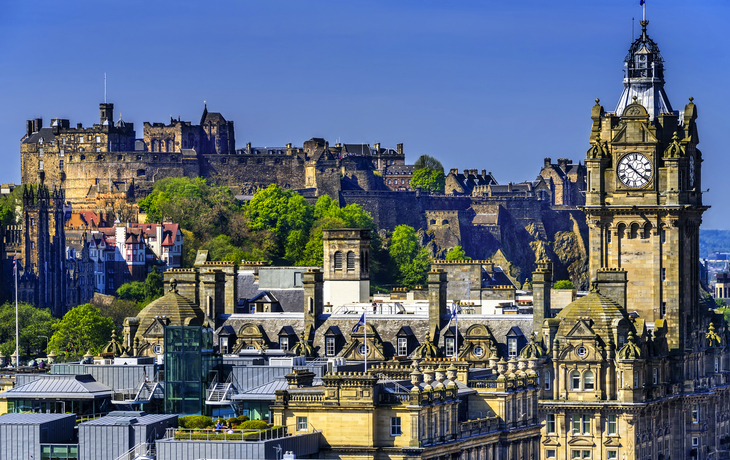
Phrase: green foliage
[221,248]
[432,180]
[563,284]
[237,420]
[117,309]
[721,302]
[254,425]
[80,330]
[153,285]
[456,253]
[411,260]
[195,421]
[428,162]
[33,322]
[134,291]
[10,205]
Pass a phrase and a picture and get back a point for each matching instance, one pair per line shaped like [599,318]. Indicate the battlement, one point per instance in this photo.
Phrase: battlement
[462,262]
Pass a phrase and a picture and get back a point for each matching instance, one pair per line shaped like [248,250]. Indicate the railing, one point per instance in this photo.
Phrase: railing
[135,452]
[394,398]
[482,384]
[306,397]
[276,432]
[87,417]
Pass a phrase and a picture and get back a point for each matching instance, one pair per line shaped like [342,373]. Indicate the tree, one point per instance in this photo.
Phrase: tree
[456,253]
[35,325]
[563,284]
[116,309]
[153,285]
[432,180]
[80,330]
[403,245]
[428,162]
[415,272]
[221,248]
[133,291]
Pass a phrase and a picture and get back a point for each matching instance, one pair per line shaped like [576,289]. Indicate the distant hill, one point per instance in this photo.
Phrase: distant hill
[714,240]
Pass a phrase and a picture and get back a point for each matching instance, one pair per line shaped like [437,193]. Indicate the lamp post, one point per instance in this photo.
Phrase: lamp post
[46,343]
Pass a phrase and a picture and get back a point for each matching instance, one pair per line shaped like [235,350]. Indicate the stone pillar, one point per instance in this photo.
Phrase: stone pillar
[312,280]
[542,282]
[437,281]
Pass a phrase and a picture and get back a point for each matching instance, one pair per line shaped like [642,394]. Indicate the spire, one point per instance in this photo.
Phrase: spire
[644,77]
[205,112]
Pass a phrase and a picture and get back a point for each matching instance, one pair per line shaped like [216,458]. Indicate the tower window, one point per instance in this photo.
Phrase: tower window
[575,380]
[350,260]
[588,380]
[338,260]
[664,236]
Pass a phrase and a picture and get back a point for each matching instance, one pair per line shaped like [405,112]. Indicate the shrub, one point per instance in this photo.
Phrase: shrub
[563,284]
[239,419]
[254,425]
[195,421]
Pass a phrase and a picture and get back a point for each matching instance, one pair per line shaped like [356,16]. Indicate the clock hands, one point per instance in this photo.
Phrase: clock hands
[637,172]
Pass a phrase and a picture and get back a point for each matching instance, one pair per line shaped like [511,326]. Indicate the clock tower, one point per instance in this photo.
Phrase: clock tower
[643,198]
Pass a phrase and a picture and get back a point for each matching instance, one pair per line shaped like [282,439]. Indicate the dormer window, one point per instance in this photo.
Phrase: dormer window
[512,347]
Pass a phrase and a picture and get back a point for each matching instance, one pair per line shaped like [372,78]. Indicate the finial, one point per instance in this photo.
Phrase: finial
[674,136]
[691,99]
[634,98]
[173,285]
[597,101]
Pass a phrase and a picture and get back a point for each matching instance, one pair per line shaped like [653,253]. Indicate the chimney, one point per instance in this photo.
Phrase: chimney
[377,147]
[288,145]
[484,172]
[313,283]
[37,124]
[547,162]
[563,164]
[248,147]
[509,187]
[399,149]
[29,127]
[454,171]
[300,378]
[611,282]
[437,281]
[542,281]
[79,126]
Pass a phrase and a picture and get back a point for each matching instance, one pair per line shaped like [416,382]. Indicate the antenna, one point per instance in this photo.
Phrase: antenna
[632,30]
[104,87]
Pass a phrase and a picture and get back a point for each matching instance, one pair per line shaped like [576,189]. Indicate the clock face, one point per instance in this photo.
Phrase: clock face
[634,170]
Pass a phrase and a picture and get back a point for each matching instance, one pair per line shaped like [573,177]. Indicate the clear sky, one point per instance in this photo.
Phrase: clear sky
[495,85]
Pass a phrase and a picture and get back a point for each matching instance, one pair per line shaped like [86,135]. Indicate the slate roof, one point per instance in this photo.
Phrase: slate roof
[82,386]
[600,309]
[400,169]
[359,149]
[45,133]
[130,418]
[266,392]
[32,418]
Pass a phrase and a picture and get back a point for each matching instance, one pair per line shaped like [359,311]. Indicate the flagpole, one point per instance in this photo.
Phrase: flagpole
[456,336]
[365,325]
[17,327]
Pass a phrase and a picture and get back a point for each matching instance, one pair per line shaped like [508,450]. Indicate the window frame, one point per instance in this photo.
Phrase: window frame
[589,380]
[329,345]
[611,425]
[575,381]
[550,424]
[302,424]
[395,426]
[449,346]
[402,346]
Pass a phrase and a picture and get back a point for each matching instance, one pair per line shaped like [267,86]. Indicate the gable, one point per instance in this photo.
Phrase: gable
[581,330]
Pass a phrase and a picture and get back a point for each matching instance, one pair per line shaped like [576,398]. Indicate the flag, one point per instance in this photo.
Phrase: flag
[15,263]
[454,307]
[360,322]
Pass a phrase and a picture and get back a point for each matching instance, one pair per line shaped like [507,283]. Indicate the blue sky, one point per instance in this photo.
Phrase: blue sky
[495,85]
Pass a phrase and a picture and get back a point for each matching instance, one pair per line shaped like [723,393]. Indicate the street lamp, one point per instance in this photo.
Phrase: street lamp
[46,343]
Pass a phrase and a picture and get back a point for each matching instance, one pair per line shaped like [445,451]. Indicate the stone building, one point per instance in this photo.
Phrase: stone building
[566,182]
[639,367]
[347,265]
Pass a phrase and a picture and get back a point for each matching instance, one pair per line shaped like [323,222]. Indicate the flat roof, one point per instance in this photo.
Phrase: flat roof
[32,418]
[130,418]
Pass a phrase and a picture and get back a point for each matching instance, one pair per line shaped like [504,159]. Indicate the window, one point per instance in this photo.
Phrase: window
[301,423]
[395,426]
[40,152]
[550,453]
[664,274]
[664,236]
[655,376]
[61,152]
[581,424]
[363,350]
[550,424]
[478,351]
[338,260]
[60,164]
[40,164]
[449,346]
[81,139]
[636,380]
[512,347]
[695,442]
[547,380]
[98,150]
[350,260]
[581,351]
[663,309]
[575,380]
[330,346]
[612,454]
[223,342]
[98,139]
[588,380]
[402,346]
[611,425]
[696,413]
[717,364]
[284,343]
[608,236]
[64,141]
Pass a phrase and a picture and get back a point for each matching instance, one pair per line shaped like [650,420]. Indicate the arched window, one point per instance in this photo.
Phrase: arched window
[575,380]
[547,380]
[588,380]
[621,231]
[350,260]
[169,146]
[634,230]
[155,146]
[647,231]
[338,260]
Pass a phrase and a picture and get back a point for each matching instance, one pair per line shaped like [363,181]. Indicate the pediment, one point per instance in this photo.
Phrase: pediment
[249,330]
[156,329]
[582,329]
[581,442]
[551,441]
[612,442]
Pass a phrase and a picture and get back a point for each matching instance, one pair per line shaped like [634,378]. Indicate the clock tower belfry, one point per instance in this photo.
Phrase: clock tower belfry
[643,198]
